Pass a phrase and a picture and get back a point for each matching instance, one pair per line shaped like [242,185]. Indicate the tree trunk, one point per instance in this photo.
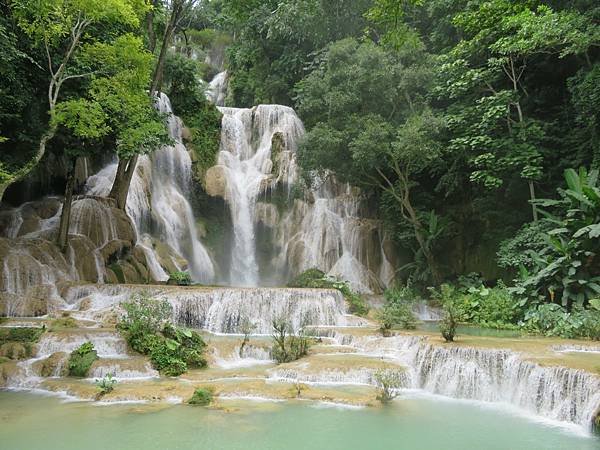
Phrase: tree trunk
[532,197]
[418,229]
[158,70]
[123,177]
[3,188]
[126,168]
[65,216]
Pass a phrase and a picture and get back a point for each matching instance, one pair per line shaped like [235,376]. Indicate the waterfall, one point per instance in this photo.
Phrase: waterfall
[217,89]
[488,375]
[245,157]
[158,200]
[221,310]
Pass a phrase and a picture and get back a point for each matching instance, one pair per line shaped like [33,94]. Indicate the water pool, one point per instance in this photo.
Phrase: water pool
[34,422]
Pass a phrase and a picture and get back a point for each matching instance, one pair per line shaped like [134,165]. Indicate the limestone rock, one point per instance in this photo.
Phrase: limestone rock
[215,182]
[267,214]
[54,365]
[14,350]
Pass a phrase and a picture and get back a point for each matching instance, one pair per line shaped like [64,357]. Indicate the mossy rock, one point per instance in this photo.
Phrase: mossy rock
[53,365]
[14,350]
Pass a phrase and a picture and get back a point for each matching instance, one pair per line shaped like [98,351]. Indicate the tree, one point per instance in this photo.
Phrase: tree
[371,126]
[60,28]
[116,103]
[490,64]
[128,161]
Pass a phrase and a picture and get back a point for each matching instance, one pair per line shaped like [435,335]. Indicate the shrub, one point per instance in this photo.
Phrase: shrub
[396,315]
[388,381]
[82,359]
[315,278]
[20,334]
[202,397]
[449,322]
[286,346]
[106,385]
[180,278]
[591,324]
[147,329]
[143,318]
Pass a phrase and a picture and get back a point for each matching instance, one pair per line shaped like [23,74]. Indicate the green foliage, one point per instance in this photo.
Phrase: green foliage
[202,397]
[81,360]
[286,346]
[20,334]
[147,329]
[106,385]
[567,267]
[449,322]
[202,118]
[180,278]
[396,314]
[388,382]
[487,307]
[315,278]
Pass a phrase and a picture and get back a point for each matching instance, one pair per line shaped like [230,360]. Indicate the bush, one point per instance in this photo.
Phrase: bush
[448,326]
[286,346]
[82,359]
[389,381]
[106,385]
[20,334]
[591,323]
[202,397]
[487,307]
[147,329]
[396,315]
[180,278]
[315,278]
[401,294]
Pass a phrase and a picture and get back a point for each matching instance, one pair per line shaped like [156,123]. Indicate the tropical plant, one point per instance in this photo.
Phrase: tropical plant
[567,269]
[286,346]
[202,397]
[106,385]
[180,278]
[81,360]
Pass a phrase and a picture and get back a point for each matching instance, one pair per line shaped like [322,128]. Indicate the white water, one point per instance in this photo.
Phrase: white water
[217,89]
[245,155]
[221,310]
[158,201]
[495,376]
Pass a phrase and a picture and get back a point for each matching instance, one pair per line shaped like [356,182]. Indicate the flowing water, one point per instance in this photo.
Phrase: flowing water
[159,200]
[411,423]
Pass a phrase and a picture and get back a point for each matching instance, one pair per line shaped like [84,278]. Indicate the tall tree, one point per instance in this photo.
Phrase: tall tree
[60,28]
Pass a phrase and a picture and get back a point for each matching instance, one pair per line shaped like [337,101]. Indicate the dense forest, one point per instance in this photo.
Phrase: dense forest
[472,125]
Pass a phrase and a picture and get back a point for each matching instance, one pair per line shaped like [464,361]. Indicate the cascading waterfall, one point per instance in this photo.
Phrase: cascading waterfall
[488,375]
[245,156]
[158,201]
[217,89]
[222,310]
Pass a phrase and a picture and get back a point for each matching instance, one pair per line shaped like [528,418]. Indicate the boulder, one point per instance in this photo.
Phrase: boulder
[215,181]
[14,350]
[83,252]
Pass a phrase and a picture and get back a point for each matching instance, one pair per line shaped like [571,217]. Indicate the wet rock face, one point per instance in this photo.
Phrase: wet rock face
[54,365]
